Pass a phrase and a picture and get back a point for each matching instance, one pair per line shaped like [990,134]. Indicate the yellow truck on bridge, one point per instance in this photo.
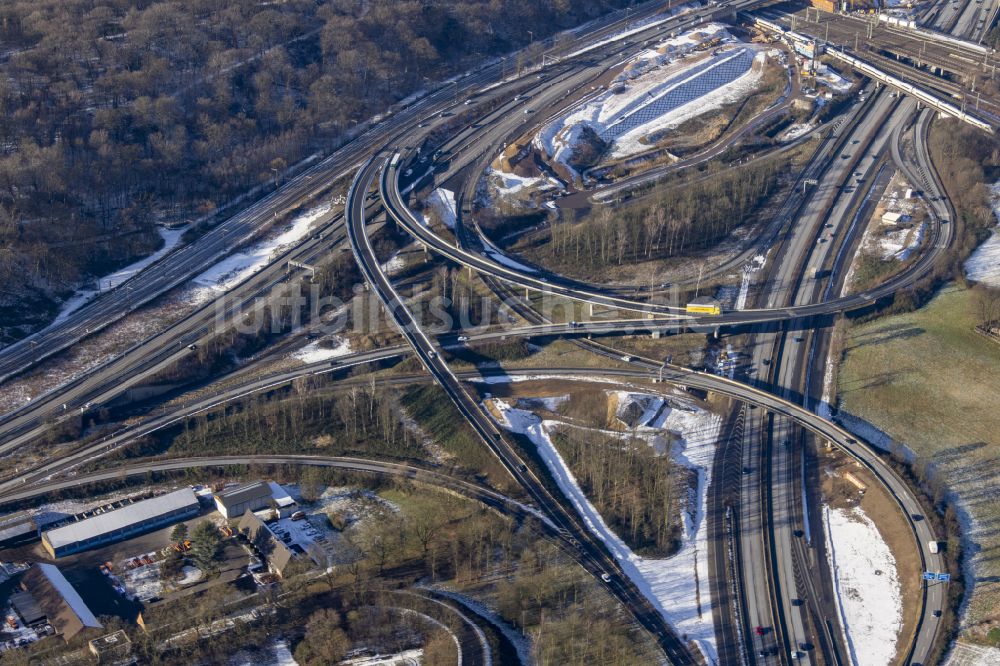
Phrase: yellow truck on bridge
[704,306]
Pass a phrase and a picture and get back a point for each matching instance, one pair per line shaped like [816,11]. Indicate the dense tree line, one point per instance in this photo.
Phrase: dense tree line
[441,421]
[362,420]
[962,156]
[113,112]
[369,420]
[986,303]
[633,488]
[681,220]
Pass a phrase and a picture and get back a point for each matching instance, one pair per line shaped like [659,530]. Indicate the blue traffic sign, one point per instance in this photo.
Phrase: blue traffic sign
[944,577]
[930,575]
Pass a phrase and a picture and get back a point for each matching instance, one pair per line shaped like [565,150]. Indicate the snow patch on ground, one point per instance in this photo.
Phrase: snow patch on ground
[669,584]
[831,78]
[865,431]
[277,654]
[795,131]
[516,190]
[190,575]
[868,592]
[496,255]
[143,582]
[139,325]
[901,243]
[673,48]
[313,353]
[550,403]
[647,76]
[16,633]
[405,658]
[964,654]
[443,203]
[824,408]
[650,405]
[509,184]
[984,264]
[171,237]
[395,264]
[633,28]
[237,267]
[755,264]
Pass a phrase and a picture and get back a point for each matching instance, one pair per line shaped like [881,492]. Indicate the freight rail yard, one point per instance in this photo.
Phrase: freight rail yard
[580,356]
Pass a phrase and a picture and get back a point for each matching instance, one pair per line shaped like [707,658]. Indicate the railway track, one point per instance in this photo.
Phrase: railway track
[606,350]
[931,81]
[528,313]
[90,391]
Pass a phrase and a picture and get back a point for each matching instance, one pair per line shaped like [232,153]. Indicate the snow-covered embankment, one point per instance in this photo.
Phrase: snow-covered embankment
[677,586]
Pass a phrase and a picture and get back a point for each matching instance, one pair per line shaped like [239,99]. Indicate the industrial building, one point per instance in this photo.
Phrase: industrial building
[266,542]
[830,6]
[234,502]
[112,649]
[283,502]
[27,608]
[17,528]
[56,601]
[894,218]
[121,523]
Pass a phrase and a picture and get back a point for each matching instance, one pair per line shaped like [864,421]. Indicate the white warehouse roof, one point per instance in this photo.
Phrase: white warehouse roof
[279,495]
[122,518]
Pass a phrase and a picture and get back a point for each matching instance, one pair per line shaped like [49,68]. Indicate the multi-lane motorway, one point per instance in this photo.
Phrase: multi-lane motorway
[108,379]
[598,561]
[185,262]
[823,217]
[780,579]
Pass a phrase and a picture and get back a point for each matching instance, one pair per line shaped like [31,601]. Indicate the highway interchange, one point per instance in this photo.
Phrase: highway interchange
[763,507]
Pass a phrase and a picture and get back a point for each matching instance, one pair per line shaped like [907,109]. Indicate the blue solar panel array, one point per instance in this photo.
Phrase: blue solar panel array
[689,86]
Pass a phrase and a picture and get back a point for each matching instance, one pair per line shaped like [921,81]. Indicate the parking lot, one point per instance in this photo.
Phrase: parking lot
[307,536]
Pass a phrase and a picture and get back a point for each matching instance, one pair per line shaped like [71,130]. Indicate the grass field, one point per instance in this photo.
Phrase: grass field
[929,381]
